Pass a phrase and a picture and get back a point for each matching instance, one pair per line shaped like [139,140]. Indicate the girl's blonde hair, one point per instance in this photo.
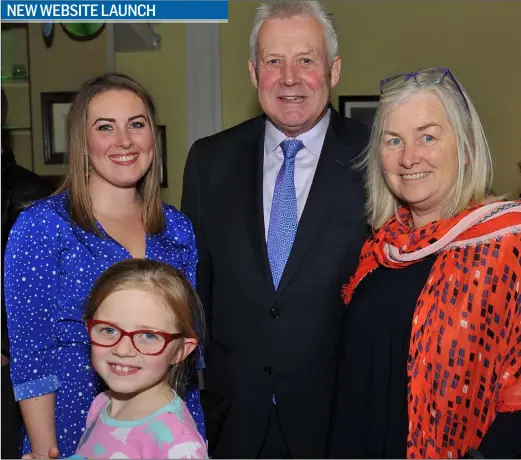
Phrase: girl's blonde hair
[173,288]
[76,182]
[474,178]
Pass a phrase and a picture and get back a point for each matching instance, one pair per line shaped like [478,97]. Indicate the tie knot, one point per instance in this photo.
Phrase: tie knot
[290,147]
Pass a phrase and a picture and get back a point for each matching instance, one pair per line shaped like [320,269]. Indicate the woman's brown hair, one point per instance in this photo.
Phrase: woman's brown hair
[76,182]
[177,294]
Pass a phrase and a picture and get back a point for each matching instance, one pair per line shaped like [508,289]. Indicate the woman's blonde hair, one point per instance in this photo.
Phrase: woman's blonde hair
[76,182]
[474,177]
[177,294]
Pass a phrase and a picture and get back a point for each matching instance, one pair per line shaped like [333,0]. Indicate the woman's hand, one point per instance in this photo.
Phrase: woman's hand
[53,453]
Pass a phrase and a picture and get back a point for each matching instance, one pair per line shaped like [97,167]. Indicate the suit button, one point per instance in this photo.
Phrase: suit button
[267,370]
[274,312]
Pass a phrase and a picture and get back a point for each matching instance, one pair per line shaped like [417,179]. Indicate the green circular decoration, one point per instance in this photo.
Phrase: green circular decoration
[83,30]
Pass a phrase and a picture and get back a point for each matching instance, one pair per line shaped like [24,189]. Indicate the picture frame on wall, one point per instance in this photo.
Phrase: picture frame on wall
[163,152]
[359,108]
[55,108]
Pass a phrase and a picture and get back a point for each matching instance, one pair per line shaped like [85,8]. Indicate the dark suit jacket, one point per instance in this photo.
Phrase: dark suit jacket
[264,342]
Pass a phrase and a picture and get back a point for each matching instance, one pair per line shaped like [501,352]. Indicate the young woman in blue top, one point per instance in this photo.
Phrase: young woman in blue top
[108,209]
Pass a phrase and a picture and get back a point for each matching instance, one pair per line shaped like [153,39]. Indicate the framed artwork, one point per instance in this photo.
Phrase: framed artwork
[162,150]
[359,108]
[55,108]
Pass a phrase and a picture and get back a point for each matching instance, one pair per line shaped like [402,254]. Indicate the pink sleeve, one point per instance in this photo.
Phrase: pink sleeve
[185,445]
[96,407]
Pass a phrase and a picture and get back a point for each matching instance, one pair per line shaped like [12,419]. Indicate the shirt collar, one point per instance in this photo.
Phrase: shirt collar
[313,139]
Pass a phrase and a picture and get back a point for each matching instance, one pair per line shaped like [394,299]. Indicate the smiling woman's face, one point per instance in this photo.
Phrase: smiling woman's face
[119,138]
[419,154]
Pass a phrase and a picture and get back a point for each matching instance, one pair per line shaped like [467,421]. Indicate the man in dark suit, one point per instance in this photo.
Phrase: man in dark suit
[278,212]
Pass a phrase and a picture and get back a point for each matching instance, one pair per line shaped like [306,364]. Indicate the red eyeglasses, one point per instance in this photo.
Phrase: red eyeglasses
[146,342]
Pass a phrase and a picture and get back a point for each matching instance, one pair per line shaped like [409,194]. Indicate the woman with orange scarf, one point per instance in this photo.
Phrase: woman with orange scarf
[431,347]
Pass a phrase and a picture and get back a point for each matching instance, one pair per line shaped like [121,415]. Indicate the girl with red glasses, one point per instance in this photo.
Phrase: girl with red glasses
[145,322]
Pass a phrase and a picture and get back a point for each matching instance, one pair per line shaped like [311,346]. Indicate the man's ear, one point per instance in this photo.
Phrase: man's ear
[253,73]
[185,349]
[336,66]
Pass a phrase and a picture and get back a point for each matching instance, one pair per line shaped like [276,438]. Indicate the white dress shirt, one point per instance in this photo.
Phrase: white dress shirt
[306,163]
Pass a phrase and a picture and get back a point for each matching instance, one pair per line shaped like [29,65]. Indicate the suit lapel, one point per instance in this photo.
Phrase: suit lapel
[255,215]
[330,170]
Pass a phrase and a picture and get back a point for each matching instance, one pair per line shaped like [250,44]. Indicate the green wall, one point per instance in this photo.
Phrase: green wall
[163,73]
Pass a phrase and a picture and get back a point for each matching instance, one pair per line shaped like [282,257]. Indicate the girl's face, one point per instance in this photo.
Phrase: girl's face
[126,370]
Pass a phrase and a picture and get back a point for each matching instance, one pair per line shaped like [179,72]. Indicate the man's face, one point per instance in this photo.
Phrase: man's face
[292,75]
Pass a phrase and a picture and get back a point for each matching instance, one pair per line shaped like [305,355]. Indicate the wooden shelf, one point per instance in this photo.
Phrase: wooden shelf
[15,81]
[14,25]
[18,130]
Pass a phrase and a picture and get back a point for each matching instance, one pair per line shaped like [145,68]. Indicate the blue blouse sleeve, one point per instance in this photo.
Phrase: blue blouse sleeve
[180,229]
[189,269]
[190,258]
[30,283]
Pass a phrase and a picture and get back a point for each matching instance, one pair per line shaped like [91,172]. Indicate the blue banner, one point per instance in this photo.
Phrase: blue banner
[114,11]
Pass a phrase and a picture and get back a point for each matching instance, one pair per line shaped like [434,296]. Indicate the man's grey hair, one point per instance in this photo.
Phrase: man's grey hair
[285,9]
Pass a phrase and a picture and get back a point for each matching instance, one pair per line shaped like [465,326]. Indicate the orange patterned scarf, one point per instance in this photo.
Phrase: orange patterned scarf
[464,362]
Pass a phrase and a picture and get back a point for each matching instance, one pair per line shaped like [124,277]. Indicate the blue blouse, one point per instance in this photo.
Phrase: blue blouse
[50,267]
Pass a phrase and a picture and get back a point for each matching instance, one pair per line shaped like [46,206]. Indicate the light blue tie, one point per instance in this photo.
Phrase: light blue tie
[283,217]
